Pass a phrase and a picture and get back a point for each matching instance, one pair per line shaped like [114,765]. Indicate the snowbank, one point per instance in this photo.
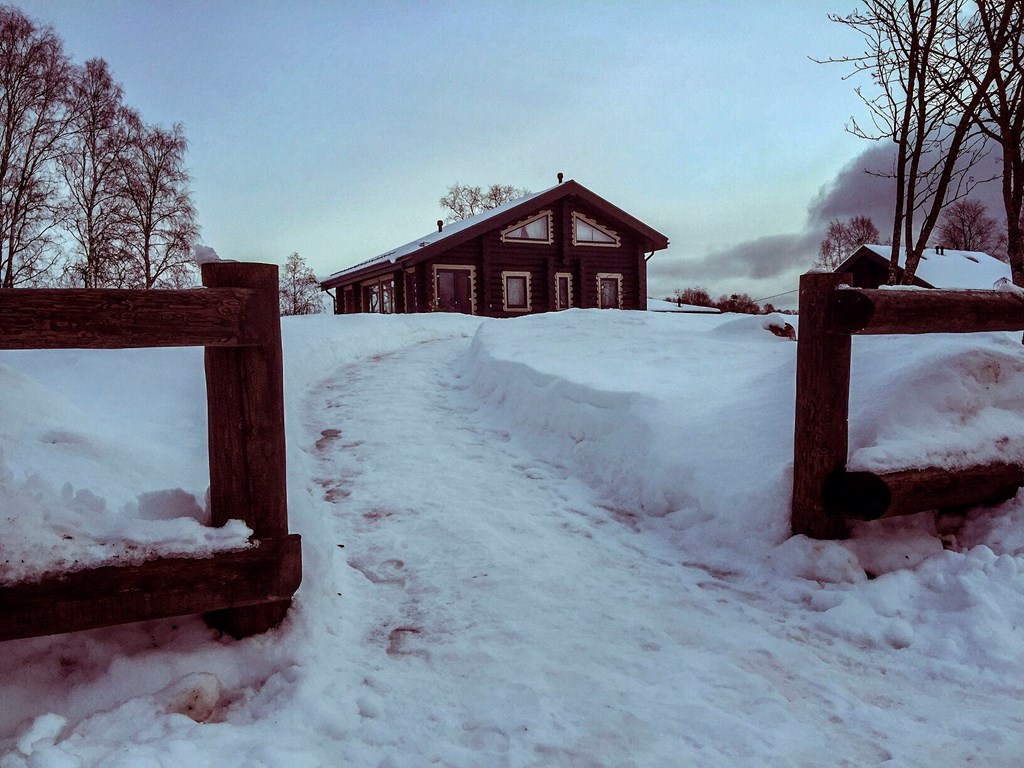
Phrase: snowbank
[554,540]
[686,419]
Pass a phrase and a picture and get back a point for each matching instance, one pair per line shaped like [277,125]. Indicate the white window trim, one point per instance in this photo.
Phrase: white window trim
[558,276]
[504,292]
[523,223]
[617,276]
[410,280]
[472,282]
[379,282]
[610,232]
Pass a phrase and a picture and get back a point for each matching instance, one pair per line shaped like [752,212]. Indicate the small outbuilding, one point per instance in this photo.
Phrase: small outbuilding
[551,250]
[939,268]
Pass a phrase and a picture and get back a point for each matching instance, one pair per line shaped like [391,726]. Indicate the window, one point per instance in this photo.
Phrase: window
[516,291]
[535,229]
[563,290]
[609,290]
[454,288]
[588,232]
[371,298]
[379,295]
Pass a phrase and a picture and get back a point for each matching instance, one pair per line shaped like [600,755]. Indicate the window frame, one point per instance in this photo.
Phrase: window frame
[529,220]
[527,277]
[558,303]
[617,276]
[435,268]
[378,295]
[412,300]
[577,216]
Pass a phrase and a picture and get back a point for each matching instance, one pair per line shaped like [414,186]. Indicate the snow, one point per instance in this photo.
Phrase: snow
[660,305]
[952,268]
[450,228]
[558,540]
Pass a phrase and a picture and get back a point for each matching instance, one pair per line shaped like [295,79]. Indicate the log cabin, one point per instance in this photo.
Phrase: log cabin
[551,250]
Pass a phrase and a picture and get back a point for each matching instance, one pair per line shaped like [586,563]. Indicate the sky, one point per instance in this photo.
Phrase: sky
[333,128]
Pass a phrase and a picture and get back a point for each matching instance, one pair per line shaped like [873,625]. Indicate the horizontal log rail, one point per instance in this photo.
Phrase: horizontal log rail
[870,495]
[156,589]
[84,318]
[236,318]
[825,494]
[880,311]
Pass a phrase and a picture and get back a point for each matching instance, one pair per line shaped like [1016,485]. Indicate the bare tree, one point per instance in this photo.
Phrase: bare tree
[1002,115]
[159,220]
[299,288]
[463,200]
[843,238]
[694,296]
[966,226]
[35,113]
[925,105]
[92,167]
[738,302]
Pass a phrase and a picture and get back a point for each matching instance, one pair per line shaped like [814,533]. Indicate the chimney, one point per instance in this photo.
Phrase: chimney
[440,225]
[940,250]
[560,177]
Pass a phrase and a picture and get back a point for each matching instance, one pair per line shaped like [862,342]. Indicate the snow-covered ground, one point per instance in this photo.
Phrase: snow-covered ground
[559,540]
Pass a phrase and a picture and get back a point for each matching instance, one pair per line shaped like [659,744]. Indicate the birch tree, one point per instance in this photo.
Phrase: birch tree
[35,116]
[159,221]
[299,290]
[92,167]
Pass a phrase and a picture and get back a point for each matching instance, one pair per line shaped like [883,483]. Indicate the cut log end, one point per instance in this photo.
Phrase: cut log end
[869,496]
[248,620]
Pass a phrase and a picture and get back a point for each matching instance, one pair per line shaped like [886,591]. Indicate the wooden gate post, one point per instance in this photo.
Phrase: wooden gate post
[822,412]
[245,406]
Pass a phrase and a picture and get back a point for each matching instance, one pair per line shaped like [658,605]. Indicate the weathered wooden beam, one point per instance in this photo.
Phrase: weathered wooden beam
[101,318]
[822,410]
[245,414]
[878,311]
[869,495]
[174,586]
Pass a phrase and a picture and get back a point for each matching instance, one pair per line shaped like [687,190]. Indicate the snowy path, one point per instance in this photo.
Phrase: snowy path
[469,605]
[499,630]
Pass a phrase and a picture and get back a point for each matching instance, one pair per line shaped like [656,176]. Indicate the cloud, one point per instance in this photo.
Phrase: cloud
[762,258]
[857,190]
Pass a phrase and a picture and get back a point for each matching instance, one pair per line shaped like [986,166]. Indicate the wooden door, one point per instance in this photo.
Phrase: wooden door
[454,291]
[563,291]
[609,293]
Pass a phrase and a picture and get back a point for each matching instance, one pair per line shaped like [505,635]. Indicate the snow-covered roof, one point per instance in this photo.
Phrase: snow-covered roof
[659,305]
[458,232]
[450,229]
[950,268]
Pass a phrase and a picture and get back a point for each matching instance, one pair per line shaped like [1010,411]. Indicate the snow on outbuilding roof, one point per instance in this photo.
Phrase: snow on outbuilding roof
[946,268]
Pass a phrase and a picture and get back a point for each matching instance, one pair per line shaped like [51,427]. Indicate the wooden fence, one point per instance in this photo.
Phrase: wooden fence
[236,318]
[825,494]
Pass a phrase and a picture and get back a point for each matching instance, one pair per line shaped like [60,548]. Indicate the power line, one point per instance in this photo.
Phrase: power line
[776,295]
